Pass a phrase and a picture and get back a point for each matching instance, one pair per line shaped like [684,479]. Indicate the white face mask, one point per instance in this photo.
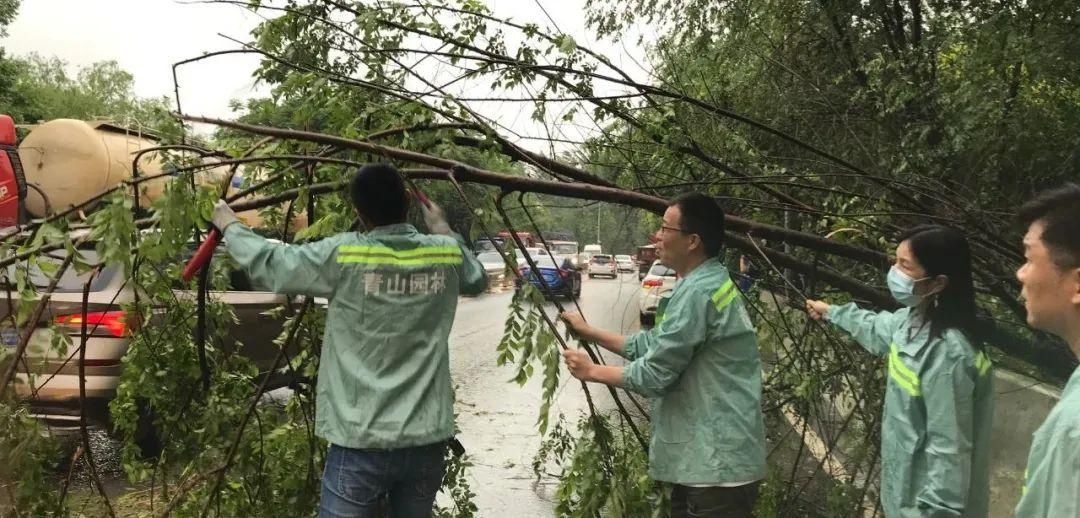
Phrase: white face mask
[902,287]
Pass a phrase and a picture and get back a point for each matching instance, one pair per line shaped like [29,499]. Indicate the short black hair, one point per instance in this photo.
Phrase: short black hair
[702,215]
[378,193]
[1059,211]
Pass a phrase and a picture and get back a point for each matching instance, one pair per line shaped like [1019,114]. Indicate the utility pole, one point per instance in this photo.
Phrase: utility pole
[598,223]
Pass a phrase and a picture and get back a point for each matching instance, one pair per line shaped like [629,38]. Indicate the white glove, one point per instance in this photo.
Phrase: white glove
[223,216]
[436,221]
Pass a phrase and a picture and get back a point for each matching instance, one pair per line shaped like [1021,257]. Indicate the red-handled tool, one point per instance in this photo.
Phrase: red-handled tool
[202,255]
[419,195]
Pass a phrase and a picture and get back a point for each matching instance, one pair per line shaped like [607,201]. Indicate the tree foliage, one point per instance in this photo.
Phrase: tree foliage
[36,88]
[818,118]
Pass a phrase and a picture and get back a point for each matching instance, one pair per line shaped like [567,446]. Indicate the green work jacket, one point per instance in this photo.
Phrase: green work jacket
[939,404]
[1052,479]
[701,366]
[384,373]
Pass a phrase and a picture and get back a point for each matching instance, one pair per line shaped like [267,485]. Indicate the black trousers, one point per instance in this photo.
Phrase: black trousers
[714,502]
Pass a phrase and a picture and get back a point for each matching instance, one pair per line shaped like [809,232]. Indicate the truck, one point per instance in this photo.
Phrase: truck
[65,162]
[588,252]
[567,249]
[646,254]
[525,237]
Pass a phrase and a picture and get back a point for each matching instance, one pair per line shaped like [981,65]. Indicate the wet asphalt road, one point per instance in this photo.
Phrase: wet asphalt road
[497,418]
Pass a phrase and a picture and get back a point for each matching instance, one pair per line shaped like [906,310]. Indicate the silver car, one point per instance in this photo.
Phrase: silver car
[48,380]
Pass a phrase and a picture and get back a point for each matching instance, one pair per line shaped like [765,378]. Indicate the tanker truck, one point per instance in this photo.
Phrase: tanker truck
[64,162]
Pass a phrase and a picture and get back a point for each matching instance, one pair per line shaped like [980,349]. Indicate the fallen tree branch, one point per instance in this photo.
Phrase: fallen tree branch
[472,174]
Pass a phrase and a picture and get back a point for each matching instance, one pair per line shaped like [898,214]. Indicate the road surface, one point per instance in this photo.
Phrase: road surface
[497,418]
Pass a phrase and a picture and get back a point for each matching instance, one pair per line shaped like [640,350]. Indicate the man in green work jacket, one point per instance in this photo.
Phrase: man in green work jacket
[1051,290]
[701,366]
[384,402]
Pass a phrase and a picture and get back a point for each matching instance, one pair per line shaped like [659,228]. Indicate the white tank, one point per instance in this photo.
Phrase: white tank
[72,161]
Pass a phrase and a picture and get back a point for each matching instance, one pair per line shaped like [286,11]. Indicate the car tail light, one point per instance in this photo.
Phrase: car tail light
[652,283]
[107,323]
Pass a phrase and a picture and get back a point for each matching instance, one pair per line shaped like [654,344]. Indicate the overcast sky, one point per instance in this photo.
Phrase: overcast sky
[146,36]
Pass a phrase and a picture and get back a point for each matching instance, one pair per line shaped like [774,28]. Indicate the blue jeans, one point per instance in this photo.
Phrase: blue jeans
[373,483]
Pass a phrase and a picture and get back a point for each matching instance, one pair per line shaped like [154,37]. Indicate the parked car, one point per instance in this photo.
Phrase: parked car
[658,283]
[559,276]
[603,264]
[48,381]
[494,266]
[625,263]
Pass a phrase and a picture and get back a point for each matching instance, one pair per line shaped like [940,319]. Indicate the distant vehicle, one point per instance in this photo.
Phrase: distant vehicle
[589,251]
[525,237]
[494,266]
[625,263]
[534,251]
[646,256]
[602,264]
[559,276]
[558,235]
[658,283]
[567,249]
[488,245]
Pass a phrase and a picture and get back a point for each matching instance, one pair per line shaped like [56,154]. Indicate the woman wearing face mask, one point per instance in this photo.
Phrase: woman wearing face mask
[939,396]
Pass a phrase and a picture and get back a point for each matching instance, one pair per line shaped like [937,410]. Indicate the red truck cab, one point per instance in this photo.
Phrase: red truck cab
[12,183]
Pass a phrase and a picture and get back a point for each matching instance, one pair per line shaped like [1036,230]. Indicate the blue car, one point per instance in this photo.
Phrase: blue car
[560,276]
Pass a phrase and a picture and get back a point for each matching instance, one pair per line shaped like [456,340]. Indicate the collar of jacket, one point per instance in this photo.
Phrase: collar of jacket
[394,229]
[702,269]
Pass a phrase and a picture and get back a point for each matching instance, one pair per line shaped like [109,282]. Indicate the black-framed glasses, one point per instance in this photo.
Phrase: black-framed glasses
[665,228]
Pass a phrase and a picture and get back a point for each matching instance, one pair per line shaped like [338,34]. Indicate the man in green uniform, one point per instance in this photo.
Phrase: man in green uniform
[701,366]
[1051,291]
[384,399]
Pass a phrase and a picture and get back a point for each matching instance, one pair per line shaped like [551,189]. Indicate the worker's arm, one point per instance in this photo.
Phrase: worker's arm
[871,330]
[472,278]
[308,269]
[609,340]
[683,331]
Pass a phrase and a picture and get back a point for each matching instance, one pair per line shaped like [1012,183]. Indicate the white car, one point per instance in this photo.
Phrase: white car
[534,251]
[494,266]
[603,264]
[625,263]
[658,283]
